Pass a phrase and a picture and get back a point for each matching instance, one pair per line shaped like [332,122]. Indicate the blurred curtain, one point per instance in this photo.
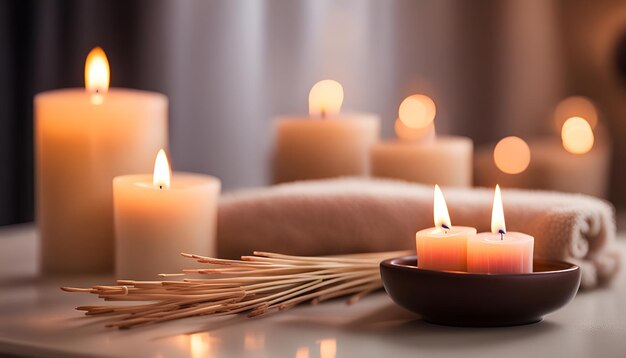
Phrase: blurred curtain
[229,66]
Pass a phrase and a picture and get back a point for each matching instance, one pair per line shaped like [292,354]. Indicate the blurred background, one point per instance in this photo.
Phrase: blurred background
[494,69]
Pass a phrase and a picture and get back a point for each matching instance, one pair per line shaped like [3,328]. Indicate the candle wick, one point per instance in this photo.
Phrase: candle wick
[160,186]
[445,228]
[323,113]
[502,232]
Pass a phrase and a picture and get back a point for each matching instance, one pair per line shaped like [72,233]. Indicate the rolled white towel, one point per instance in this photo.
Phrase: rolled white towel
[349,215]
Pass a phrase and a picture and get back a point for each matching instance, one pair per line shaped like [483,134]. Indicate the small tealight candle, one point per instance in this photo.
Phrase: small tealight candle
[443,247]
[158,217]
[500,251]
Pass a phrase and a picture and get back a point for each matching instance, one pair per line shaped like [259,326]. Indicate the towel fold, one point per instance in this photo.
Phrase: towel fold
[350,215]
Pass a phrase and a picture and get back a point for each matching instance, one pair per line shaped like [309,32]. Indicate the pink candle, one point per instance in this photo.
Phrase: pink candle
[499,251]
[443,247]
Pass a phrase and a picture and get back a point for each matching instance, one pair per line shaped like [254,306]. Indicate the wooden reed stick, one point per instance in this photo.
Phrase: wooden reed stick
[259,284]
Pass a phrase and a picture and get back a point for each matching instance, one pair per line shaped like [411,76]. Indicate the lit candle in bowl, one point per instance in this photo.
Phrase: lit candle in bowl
[158,216]
[419,155]
[327,143]
[443,247]
[500,251]
[84,137]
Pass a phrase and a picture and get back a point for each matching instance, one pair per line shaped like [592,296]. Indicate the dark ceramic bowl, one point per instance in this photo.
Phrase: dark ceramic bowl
[470,299]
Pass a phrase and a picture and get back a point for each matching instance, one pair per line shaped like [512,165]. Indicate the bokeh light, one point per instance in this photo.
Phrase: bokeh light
[577,135]
[512,155]
[325,98]
[575,106]
[417,111]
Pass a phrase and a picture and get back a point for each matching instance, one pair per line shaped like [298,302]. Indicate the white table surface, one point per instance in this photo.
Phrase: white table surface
[37,319]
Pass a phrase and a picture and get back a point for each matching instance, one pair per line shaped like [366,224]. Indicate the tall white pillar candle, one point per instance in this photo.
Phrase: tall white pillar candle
[83,139]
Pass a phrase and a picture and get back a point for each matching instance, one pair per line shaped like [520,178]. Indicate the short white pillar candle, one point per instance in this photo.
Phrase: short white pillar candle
[84,137]
[156,220]
[418,155]
[326,143]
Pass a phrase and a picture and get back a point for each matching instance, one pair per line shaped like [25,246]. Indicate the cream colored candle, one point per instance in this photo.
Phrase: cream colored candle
[446,160]
[572,164]
[325,144]
[443,247]
[84,138]
[500,251]
[419,155]
[156,219]
[578,162]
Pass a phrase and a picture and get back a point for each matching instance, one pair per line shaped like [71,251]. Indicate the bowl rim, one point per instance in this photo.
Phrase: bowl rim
[392,264]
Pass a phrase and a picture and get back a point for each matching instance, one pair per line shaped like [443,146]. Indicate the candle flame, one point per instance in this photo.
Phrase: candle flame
[325,98]
[417,111]
[97,74]
[161,176]
[440,210]
[497,214]
[577,135]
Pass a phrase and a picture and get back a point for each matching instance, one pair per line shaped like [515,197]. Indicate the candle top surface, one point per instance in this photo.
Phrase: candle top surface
[508,238]
[343,116]
[444,141]
[438,232]
[78,97]
[180,181]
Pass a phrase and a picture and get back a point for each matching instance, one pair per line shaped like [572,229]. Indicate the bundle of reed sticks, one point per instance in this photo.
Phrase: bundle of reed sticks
[259,284]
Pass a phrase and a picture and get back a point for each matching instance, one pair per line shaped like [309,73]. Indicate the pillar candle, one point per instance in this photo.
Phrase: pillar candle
[578,162]
[500,251]
[84,138]
[418,155]
[446,160]
[443,247]
[156,219]
[551,167]
[327,143]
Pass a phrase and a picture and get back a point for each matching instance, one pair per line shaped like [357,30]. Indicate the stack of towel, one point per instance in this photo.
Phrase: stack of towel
[350,215]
